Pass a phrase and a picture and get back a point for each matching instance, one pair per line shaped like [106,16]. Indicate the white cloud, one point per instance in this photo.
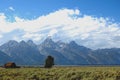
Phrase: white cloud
[11,8]
[1,36]
[16,38]
[52,32]
[6,26]
[66,24]
[77,12]
[33,36]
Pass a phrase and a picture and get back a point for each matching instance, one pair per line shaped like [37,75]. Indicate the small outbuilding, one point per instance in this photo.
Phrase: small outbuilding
[10,65]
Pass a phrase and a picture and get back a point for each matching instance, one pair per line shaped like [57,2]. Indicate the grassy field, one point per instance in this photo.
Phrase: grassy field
[61,73]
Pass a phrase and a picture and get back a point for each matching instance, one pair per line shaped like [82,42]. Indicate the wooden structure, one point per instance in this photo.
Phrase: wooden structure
[10,65]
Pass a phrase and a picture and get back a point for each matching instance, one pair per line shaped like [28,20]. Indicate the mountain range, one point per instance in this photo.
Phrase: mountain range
[28,53]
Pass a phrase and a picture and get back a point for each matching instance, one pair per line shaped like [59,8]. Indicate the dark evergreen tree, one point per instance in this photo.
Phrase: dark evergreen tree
[49,62]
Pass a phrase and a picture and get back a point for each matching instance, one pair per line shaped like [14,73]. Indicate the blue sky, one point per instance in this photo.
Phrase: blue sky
[94,24]
[31,8]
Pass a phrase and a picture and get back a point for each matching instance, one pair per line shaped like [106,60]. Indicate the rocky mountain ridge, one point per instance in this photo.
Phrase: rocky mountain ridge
[28,53]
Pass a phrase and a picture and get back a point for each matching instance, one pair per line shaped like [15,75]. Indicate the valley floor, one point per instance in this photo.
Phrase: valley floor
[61,73]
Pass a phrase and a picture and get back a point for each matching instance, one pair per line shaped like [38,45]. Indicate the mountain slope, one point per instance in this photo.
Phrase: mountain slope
[48,47]
[107,56]
[22,53]
[4,58]
[77,54]
[28,53]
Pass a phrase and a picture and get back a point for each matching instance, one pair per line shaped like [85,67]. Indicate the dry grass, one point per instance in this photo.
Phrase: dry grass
[61,73]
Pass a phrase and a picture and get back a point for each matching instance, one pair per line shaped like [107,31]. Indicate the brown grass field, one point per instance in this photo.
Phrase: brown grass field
[61,73]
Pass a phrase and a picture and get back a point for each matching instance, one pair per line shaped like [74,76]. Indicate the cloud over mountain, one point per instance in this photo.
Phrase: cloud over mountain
[66,25]
[11,8]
